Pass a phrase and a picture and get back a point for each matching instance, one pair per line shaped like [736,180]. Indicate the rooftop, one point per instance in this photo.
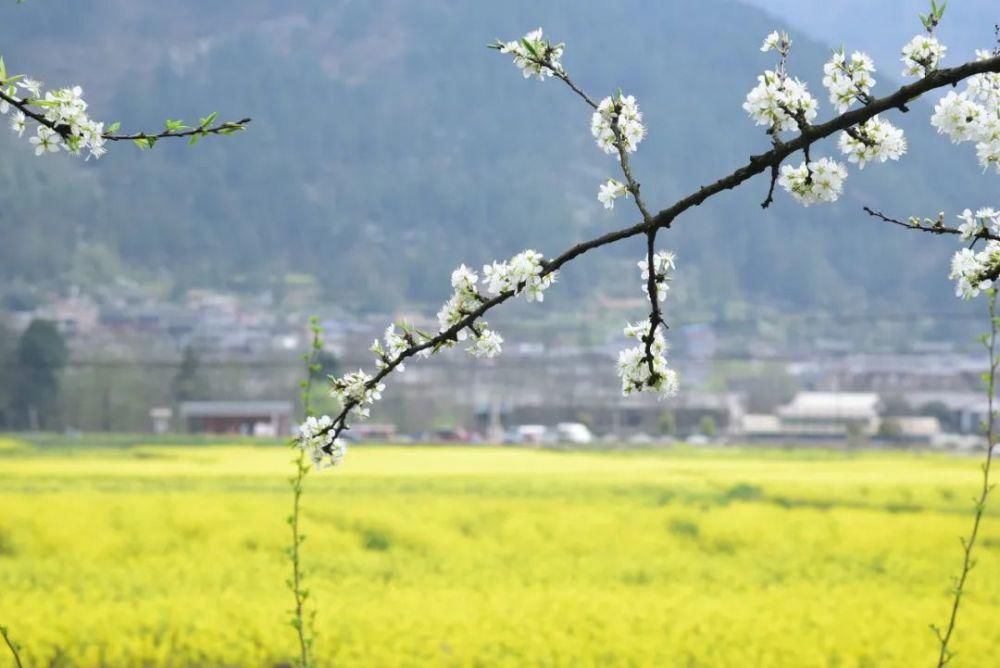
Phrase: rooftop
[234,408]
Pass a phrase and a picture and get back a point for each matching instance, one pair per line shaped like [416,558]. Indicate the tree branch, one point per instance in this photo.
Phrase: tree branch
[227,127]
[933,229]
[665,217]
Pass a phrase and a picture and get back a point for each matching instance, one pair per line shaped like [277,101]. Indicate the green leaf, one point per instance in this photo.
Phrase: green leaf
[175,126]
[113,128]
[208,120]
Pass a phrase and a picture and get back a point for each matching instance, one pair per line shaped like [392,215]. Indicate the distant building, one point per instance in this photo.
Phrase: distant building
[901,373]
[916,429]
[160,417]
[621,416]
[817,416]
[830,414]
[73,316]
[247,418]
[959,412]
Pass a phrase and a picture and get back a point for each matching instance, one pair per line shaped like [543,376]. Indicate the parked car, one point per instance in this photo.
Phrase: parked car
[532,433]
[574,432]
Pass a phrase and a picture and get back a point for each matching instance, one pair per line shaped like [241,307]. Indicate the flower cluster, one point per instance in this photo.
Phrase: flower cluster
[609,191]
[958,116]
[663,262]
[778,101]
[395,345]
[534,55]
[357,388]
[486,343]
[776,41]
[316,436]
[522,273]
[641,372]
[922,55]
[848,81]
[820,181]
[985,87]
[67,124]
[973,115]
[983,221]
[874,140]
[643,367]
[617,115]
[973,271]
[464,300]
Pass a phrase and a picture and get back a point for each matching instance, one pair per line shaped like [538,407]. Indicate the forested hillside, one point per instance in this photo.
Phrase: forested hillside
[388,145]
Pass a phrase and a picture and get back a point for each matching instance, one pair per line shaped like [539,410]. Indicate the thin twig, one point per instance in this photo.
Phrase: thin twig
[945,655]
[303,628]
[12,645]
[932,229]
[227,127]
[576,89]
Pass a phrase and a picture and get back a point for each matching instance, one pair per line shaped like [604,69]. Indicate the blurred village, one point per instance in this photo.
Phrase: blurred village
[222,363]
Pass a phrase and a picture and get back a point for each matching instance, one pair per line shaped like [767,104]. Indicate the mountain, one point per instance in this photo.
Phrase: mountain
[388,146]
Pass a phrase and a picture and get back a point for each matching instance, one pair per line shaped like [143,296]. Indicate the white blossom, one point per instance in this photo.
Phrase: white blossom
[395,345]
[973,115]
[822,181]
[985,220]
[621,112]
[45,140]
[522,273]
[971,270]
[316,436]
[988,151]
[663,263]
[66,110]
[486,343]
[958,117]
[17,123]
[985,87]
[464,279]
[609,191]
[31,85]
[874,140]
[777,99]
[777,42]
[358,389]
[848,81]
[464,300]
[922,55]
[531,51]
[634,364]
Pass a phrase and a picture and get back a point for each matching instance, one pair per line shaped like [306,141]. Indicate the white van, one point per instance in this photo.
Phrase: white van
[574,432]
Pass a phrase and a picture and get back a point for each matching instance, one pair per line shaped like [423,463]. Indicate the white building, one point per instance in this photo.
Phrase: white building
[835,414]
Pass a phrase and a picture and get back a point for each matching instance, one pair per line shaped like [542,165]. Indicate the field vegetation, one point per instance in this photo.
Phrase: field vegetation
[174,555]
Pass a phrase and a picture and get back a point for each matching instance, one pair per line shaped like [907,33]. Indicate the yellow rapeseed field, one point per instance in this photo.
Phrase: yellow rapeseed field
[174,556]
